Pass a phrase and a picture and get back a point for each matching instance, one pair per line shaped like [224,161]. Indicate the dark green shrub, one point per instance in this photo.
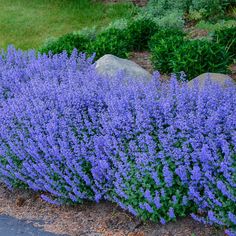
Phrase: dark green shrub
[66,43]
[227,37]
[112,41]
[199,56]
[162,46]
[139,32]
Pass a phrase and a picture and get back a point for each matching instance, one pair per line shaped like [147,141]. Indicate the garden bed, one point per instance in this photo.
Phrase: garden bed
[101,219]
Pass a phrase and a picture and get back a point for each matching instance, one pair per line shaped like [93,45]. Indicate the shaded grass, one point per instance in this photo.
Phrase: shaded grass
[26,24]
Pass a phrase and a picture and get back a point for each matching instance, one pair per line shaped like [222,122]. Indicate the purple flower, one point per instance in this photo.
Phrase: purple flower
[232,217]
[171,213]
[162,220]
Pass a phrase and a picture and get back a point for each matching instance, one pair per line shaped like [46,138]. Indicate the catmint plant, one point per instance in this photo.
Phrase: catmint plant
[160,150]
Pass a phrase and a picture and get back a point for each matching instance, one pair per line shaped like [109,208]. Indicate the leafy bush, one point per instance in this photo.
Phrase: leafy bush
[172,19]
[139,32]
[158,150]
[162,46]
[112,41]
[67,42]
[166,14]
[198,56]
[227,37]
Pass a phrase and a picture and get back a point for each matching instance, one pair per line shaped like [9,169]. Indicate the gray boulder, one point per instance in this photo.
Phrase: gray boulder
[215,77]
[109,65]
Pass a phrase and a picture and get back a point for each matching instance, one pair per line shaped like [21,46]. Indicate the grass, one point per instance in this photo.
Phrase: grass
[28,23]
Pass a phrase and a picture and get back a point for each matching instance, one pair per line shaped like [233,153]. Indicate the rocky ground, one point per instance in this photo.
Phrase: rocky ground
[88,219]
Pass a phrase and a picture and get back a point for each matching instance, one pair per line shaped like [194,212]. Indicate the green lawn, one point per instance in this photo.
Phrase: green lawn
[27,23]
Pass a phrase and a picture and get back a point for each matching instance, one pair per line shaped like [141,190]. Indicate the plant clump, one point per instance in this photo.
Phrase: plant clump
[160,151]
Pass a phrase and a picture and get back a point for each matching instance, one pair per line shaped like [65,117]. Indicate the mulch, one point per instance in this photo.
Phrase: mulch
[91,219]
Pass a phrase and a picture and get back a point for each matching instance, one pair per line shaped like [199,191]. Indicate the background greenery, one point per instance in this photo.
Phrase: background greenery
[194,36]
[28,23]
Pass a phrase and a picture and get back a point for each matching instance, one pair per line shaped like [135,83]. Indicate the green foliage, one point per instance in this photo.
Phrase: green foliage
[134,189]
[208,8]
[203,8]
[219,25]
[199,56]
[166,14]
[162,46]
[139,32]
[112,41]
[118,39]
[172,19]
[211,8]
[117,24]
[196,15]
[158,8]
[227,38]
[66,43]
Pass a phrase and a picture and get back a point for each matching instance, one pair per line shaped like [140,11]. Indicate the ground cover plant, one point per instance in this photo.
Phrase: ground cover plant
[27,24]
[158,150]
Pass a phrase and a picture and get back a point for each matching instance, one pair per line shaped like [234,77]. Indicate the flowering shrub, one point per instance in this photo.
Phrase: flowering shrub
[172,151]
[17,68]
[158,150]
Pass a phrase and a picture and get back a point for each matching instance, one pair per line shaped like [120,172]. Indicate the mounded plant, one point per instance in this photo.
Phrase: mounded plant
[111,41]
[198,56]
[139,31]
[162,46]
[159,150]
[227,37]
[67,42]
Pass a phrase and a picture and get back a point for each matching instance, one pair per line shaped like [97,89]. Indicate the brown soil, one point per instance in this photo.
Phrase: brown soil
[142,59]
[233,71]
[90,219]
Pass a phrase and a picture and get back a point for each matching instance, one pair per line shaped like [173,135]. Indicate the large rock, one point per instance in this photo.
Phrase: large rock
[110,65]
[215,77]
